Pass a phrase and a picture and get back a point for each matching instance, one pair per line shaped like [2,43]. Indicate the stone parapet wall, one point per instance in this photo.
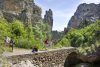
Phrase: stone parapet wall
[54,58]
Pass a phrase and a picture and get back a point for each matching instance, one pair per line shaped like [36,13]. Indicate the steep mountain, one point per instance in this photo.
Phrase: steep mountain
[25,10]
[84,14]
[48,18]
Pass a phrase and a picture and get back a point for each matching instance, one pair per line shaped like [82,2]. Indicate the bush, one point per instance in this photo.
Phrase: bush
[4,30]
[83,38]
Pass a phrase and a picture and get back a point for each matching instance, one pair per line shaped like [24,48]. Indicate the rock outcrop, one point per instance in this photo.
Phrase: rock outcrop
[75,59]
[55,36]
[84,14]
[25,10]
[48,18]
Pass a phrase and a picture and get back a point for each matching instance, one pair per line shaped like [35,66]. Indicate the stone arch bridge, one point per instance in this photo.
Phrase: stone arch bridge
[53,58]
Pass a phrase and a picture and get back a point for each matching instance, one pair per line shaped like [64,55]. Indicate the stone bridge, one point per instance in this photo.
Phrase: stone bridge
[53,58]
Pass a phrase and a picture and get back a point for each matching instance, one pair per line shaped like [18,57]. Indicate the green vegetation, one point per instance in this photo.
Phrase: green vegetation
[41,33]
[24,36]
[86,38]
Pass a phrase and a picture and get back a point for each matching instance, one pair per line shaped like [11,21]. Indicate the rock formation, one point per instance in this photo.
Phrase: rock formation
[48,18]
[55,36]
[75,59]
[24,10]
[84,14]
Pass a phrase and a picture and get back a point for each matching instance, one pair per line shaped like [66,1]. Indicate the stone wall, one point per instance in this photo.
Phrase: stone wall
[54,58]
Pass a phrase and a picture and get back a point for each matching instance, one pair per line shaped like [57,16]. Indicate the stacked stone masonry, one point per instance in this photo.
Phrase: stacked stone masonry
[54,58]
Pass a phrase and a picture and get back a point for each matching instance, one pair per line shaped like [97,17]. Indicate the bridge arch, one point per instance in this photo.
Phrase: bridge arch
[72,60]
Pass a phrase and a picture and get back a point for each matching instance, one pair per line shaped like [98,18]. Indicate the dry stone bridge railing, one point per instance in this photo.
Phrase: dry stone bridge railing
[53,58]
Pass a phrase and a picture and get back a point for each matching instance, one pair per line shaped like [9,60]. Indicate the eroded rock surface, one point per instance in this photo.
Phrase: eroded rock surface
[25,10]
[84,14]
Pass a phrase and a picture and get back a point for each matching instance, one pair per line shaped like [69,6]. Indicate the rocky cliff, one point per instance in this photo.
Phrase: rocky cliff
[84,14]
[48,18]
[25,10]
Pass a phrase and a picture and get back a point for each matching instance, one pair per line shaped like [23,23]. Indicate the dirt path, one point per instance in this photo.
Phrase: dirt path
[17,51]
[20,51]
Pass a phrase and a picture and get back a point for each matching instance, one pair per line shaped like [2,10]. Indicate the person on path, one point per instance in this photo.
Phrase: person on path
[12,43]
[35,49]
[7,41]
[46,42]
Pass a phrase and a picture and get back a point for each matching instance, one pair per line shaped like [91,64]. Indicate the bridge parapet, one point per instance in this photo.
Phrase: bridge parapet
[53,58]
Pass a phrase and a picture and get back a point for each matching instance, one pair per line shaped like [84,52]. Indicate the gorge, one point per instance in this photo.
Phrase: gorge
[83,31]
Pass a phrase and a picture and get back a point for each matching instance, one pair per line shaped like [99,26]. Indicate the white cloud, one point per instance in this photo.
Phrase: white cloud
[90,1]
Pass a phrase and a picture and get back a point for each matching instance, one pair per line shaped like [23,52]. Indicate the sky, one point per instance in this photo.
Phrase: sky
[63,10]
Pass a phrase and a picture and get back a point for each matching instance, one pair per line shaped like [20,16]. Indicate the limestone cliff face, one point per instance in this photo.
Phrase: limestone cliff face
[24,10]
[48,18]
[84,14]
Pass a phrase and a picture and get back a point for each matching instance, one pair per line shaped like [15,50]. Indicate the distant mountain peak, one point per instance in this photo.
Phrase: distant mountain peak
[84,14]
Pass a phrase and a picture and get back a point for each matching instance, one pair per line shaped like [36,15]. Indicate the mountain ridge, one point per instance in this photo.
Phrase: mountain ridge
[84,12]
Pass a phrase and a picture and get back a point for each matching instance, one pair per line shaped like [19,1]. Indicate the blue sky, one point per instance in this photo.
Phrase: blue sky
[62,10]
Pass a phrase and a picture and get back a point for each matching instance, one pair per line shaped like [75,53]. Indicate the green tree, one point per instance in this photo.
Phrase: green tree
[18,28]
[4,30]
[41,32]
